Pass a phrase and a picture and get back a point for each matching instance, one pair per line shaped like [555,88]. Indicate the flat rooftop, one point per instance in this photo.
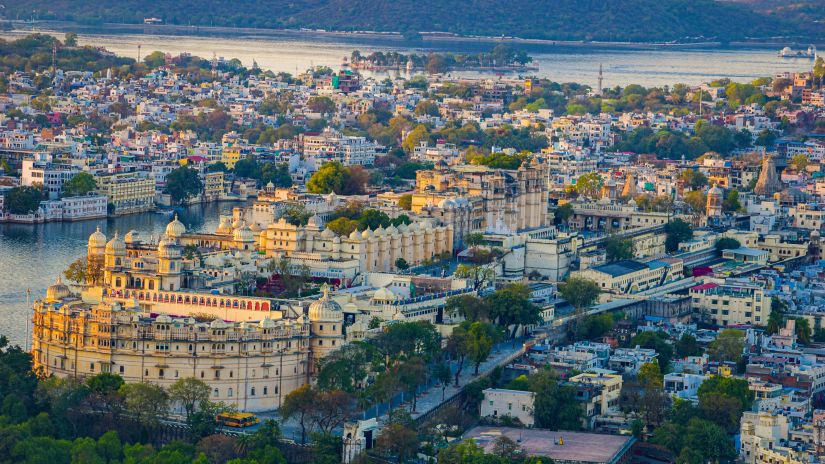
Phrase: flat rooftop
[578,446]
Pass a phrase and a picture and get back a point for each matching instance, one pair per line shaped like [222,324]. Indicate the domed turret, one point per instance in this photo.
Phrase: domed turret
[58,291]
[243,233]
[384,295]
[175,229]
[97,239]
[116,246]
[325,309]
[132,237]
[224,228]
[169,249]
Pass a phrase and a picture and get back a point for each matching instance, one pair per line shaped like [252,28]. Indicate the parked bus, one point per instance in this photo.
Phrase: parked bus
[237,419]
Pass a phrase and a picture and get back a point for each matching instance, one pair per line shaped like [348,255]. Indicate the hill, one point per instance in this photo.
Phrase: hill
[606,20]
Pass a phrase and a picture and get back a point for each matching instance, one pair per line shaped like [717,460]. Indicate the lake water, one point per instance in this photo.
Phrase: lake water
[33,256]
[297,52]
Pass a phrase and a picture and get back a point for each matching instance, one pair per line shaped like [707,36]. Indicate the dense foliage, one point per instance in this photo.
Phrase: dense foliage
[635,20]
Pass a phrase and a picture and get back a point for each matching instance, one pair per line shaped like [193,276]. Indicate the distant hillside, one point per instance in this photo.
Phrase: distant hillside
[613,20]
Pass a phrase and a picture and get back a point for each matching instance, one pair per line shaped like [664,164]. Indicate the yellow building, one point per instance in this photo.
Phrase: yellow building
[153,315]
[372,250]
[127,192]
[611,391]
[230,156]
[497,198]
[731,304]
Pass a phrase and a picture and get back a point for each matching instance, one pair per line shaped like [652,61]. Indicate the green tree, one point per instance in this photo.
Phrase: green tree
[728,346]
[555,406]
[401,264]
[511,306]
[405,201]
[693,179]
[182,184]
[191,393]
[331,177]
[677,231]
[618,249]
[299,404]
[800,162]
[398,442]
[727,243]
[80,184]
[483,336]
[468,306]
[580,292]
[373,219]
[731,201]
[70,39]
[589,185]
[321,105]
[146,402]
[687,346]
[562,213]
[657,341]
[342,226]
[23,200]
[803,330]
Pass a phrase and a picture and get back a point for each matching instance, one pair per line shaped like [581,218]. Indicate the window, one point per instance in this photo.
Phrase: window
[265,391]
[121,369]
[229,393]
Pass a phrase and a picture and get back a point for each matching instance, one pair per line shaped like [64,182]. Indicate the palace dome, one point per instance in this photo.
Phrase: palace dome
[116,246]
[243,234]
[325,309]
[175,229]
[383,294]
[58,291]
[224,228]
[132,237]
[168,248]
[97,239]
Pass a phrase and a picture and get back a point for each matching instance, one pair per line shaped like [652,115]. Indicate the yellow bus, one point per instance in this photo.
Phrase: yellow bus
[237,419]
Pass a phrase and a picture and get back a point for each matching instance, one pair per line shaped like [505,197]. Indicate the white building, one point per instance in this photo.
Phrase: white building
[500,402]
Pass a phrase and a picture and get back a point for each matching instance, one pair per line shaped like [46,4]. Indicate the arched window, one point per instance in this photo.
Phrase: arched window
[216,392]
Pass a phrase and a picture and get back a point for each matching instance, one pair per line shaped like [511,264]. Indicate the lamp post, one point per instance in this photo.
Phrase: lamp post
[281,377]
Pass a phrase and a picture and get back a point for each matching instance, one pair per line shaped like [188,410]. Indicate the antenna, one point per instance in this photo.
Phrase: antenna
[138,60]
[54,58]
[601,79]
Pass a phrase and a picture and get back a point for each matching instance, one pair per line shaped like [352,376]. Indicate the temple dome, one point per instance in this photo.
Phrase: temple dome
[175,229]
[325,309]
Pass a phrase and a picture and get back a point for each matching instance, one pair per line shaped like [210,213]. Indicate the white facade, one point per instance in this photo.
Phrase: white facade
[500,402]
